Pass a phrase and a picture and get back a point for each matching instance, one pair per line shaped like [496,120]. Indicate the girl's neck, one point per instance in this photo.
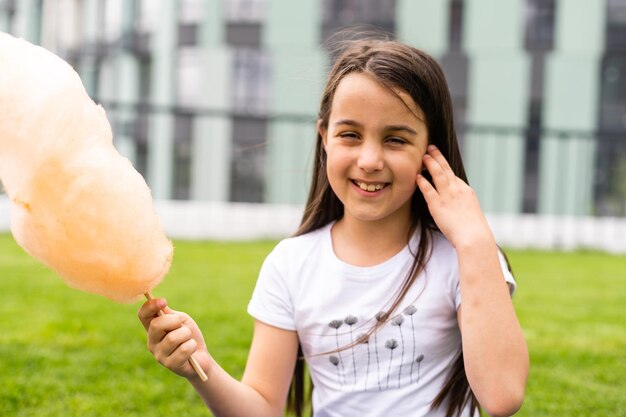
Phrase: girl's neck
[368,243]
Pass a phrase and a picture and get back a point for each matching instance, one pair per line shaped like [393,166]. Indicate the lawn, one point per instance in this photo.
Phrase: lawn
[67,353]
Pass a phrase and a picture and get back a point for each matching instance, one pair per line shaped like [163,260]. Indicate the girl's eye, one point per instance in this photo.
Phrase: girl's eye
[395,140]
[348,135]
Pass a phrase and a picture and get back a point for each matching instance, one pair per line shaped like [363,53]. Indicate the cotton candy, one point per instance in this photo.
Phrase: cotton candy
[77,205]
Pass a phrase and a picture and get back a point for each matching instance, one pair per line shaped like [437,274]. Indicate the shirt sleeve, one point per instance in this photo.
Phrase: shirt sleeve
[271,302]
[508,277]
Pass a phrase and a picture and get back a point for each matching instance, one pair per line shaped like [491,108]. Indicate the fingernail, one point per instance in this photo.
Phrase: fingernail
[431,147]
[161,303]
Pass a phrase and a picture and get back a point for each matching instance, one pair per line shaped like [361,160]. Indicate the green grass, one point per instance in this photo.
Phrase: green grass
[68,353]
[572,307]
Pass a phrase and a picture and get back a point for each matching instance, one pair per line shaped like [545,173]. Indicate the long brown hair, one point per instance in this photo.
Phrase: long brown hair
[395,66]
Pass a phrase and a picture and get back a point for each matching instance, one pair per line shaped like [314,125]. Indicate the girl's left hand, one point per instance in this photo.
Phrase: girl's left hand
[452,203]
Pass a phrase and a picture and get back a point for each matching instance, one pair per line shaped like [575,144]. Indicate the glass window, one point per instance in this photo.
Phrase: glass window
[338,14]
[611,154]
[61,28]
[538,41]
[183,123]
[190,76]
[455,65]
[148,15]
[244,35]
[252,11]
[191,11]
[248,159]
[540,24]
[456,25]
[610,180]
[112,19]
[613,94]
[141,124]
[616,25]
[251,86]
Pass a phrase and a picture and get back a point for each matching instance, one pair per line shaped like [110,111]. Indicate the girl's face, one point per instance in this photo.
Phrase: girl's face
[374,142]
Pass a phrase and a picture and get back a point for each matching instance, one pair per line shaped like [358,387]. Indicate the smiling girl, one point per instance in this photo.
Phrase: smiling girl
[393,291]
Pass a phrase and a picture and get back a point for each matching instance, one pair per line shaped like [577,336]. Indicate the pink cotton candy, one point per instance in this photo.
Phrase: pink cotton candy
[77,205]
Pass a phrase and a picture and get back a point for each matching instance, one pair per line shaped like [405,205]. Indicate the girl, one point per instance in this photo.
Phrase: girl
[369,290]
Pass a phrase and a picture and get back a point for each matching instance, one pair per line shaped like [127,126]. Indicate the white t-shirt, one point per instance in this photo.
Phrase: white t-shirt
[400,369]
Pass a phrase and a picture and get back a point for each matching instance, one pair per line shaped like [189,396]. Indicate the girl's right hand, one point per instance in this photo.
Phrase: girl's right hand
[173,337]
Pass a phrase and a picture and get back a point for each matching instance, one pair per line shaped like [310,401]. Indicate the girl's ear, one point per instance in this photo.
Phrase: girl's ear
[321,131]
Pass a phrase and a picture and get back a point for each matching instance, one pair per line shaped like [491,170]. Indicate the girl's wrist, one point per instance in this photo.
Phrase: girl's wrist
[194,378]
[485,243]
[196,381]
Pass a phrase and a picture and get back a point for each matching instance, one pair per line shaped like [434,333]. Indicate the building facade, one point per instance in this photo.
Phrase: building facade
[216,100]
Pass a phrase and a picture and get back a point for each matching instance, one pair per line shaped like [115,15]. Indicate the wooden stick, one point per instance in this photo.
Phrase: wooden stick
[194,363]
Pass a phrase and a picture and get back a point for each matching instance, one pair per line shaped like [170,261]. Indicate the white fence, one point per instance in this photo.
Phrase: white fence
[246,221]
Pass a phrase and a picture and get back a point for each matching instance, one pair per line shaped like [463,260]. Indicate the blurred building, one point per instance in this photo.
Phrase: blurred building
[216,100]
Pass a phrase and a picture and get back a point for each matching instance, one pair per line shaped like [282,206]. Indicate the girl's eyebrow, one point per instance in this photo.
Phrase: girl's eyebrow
[349,122]
[402,128]
[395,128]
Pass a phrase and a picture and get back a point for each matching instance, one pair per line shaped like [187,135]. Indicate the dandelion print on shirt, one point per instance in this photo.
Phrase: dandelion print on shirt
[336,324]
[385,359]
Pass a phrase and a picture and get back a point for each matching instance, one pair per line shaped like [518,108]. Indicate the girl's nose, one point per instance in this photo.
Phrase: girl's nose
[370,158]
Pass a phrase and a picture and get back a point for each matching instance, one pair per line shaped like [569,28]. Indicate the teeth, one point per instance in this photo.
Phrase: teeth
[370,187]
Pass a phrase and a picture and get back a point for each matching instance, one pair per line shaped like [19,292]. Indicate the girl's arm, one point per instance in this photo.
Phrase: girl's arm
[173,337]
[494,349]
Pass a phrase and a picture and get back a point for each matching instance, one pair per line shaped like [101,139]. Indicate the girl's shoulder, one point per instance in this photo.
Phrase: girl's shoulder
[444,258]
[303,245]
[441,248]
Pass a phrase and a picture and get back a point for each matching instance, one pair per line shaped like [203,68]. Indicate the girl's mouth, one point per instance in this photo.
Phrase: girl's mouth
[371,187]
